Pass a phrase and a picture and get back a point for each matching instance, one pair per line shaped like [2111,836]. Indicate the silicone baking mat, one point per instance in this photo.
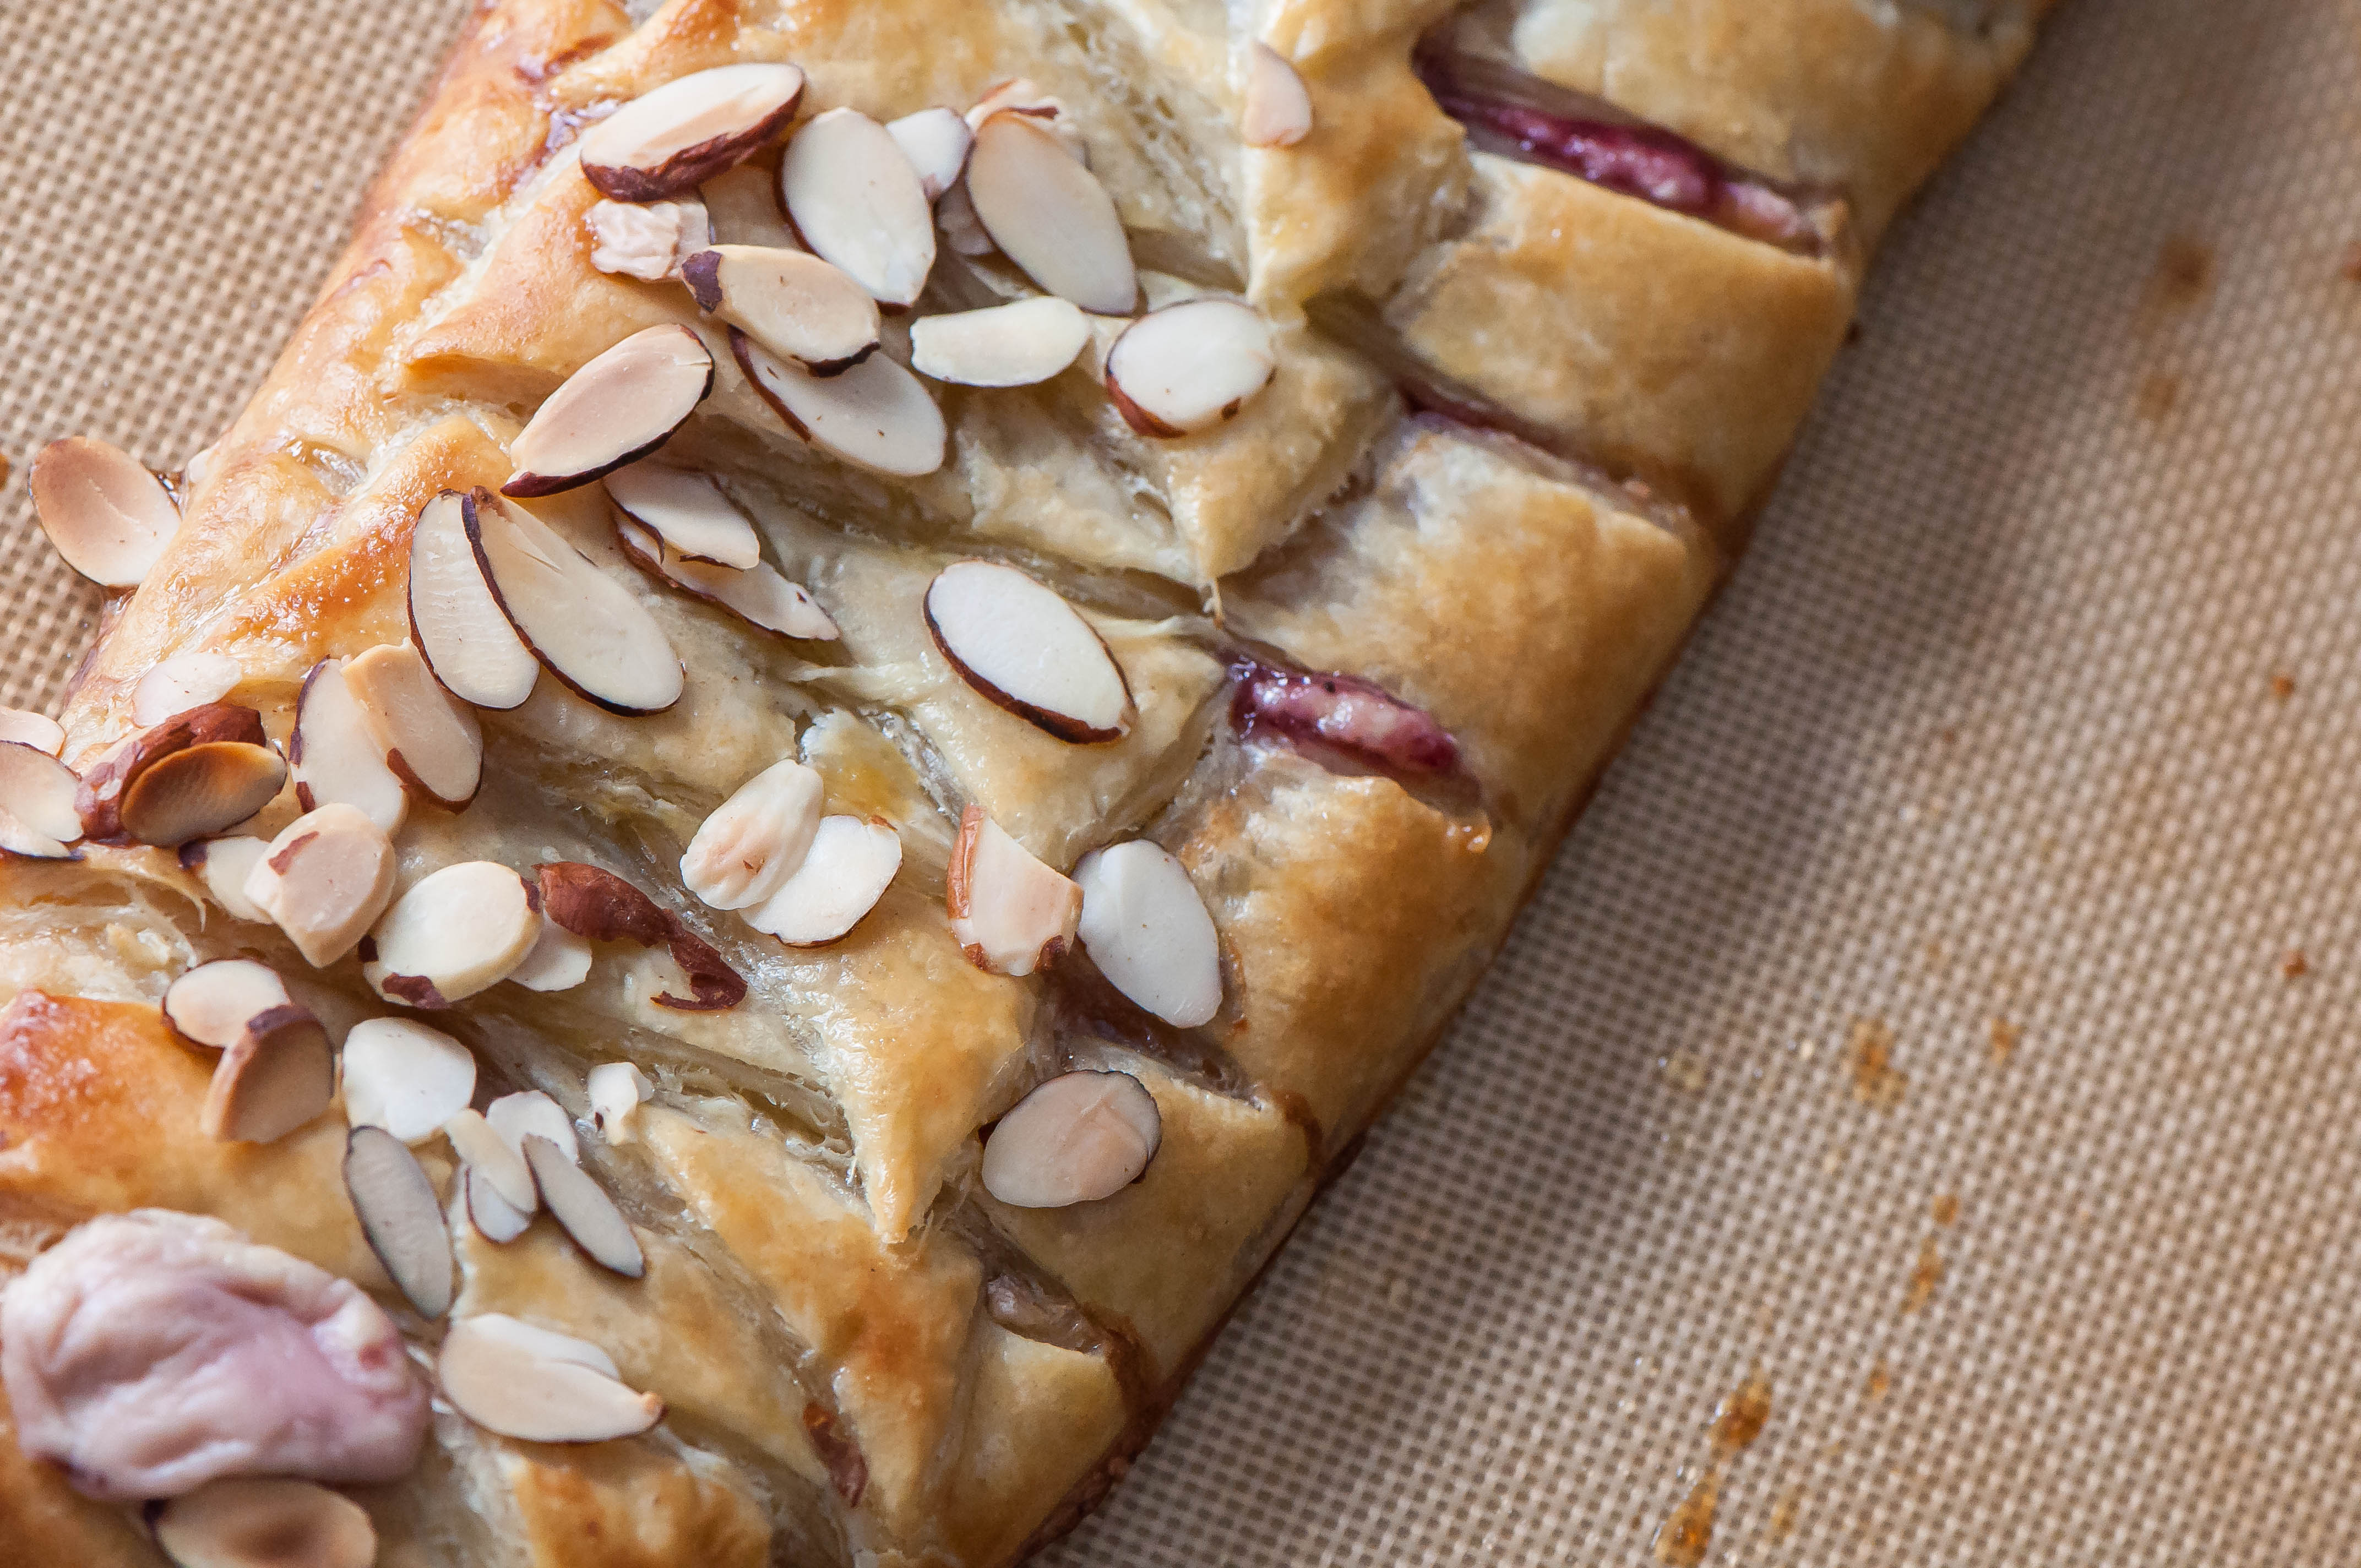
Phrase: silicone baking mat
[1938,1042]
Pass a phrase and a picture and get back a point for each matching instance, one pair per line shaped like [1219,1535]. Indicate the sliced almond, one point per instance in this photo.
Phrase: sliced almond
[402,1216]
[454,933]
[756,839]
[324,881]
[1147,929]
[530,1114]
[491,1160]
[617,409]
[495,1218]
[245,1521]
[646,240]
[742,205]
[557,960]
[962,230]
[578,1204]
[1023,95]
[1003,345]
[277,1075]
[213,1004]
[39,803]
[1010,914]
[597,904]
[757,595]
[1278,111]
[527,1383]
[23,843]
[99,797]
[1078,1137]
[1050,214]
[935,142]
[687,512]
[182,682]
[107,516]
[616,1090]
[790,302]
[454,619]
[224,865]
[859,201]
[688,130]
[1026,649]
[876,414]
[846,870]
[200,791]
[334,755]
[584,627]
[38,731]
[1189,367]
[405,1078]
[428,738]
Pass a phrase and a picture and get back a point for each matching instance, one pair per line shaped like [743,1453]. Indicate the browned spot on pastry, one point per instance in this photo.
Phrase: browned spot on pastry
[848,1472]
[2295,966]
[2004,1037]
[1876,1082]
[1927,1274]
[536,72]
[1682,1540]
[597,904]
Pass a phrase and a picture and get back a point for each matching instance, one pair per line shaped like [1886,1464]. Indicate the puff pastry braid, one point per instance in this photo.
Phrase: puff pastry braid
[870,677]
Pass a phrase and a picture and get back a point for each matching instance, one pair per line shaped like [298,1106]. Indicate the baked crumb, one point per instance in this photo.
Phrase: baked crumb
[2295,966]
[2005,1037]
[2282,685]
[1879,1380]
[1876,1082]
[1784,1511]
[1686,1071]
[1923,1278]
[1947,1208]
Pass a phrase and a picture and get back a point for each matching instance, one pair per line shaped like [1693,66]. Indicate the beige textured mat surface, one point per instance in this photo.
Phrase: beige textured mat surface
[2038,701]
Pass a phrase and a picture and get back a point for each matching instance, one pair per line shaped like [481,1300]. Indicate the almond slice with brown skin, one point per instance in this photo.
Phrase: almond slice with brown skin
[491,1160]
[1147,929]
[1078,1137]
[585,628]
[687,512]
[935,142]
[581,1206]
[334,755]
[557,960]
[324,881]
[402,1216]
[530,1114]
[428,738]
[792,302]
[875,415]
[1028,650]
[617,409]
[405,1078]
[1010,914]
[277,1075]
[182,682]
[846,870]
[757,595]
[38,731]
[597,904]
[495,1218]
[1277,110]
[616,1090]
[1189,367]
[457,931]
[211,1004]
[245,1521]
[530,1384]
[99,797]
[200,791]
[1050,214]
[753,842]
[224,865]
[39,803]
[457,623]
[1014,345]
[107,516]
[857,202]
[688,130]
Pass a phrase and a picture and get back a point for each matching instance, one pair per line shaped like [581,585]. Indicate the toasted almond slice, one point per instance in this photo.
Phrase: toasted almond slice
[579,1204]
[224,865]
[537,1386]
[454,619]
[492,1161]
[616,1090]
[757,595]
[1050,214]
[688,130]
[277,1075]
[1078,1137]
[99,797]
[530,1114]
[935,142]
[1003,346]
[962,230]
[844,874]
[245,1521]
[456,932]
[429,739]
[39,794]
[1023,95]
[858,200]
[876,414]
[405,1078]
[557,960]
[1189,367]
[107,516]
[687,511]
[213,1004]
[742,205]
[1028,650]
[182,682]
[617,409]
[1278,111]
[756,839]
[495,1218]
[584,627]
[790,302]
[1010,914]
[402,1216]
[324,881]
[648,241]
[21,842]
[334,755]
[597,904]
[1146,928]
[200,791]
[38,731]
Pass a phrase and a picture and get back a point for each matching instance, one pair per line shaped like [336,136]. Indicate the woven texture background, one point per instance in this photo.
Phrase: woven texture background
[2039,701]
